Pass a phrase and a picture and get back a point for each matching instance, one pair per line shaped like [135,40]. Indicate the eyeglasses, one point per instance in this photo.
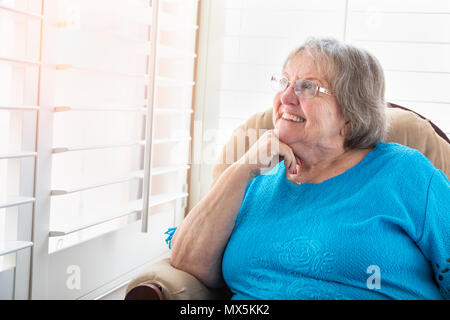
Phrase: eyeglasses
[302,88]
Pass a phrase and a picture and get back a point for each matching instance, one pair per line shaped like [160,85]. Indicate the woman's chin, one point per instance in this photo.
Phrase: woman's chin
[285,137]
[284,134]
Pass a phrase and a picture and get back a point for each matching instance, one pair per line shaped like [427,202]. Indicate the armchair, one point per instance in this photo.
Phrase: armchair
[162,281]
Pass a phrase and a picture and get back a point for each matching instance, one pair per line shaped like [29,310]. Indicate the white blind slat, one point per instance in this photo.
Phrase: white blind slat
[163,198]
[19,60]
[120,109]
[125,210]
[169,169]
[7,247]
[162,81]
[132,176]
[132,208]
[63,191]
[15,201]
[65,67]
[171,140]
[100,109]
[135,216]
[172,110]
[20,108]
[22,12]
[111,146]
[17,155]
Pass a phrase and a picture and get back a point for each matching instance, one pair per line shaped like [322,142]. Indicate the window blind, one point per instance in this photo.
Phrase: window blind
[105,163]
[19,81]
[111,81]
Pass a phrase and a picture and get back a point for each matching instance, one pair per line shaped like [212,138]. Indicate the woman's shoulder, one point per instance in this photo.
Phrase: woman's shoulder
[396,148]
[403,154]
[403,160]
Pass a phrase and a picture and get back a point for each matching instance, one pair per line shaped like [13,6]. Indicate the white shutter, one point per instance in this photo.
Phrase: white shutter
[19,82]
[158,79]
[113,81]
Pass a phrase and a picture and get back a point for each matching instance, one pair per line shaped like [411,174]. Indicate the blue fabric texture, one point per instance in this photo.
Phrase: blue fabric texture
[380,230]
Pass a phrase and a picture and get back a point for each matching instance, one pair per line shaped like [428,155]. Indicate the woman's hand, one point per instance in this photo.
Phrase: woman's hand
[267,152]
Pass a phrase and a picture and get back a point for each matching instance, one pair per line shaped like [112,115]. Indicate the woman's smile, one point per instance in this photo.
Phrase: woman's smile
[292,118]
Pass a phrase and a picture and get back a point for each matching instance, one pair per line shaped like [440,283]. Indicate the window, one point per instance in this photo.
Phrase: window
[92,89]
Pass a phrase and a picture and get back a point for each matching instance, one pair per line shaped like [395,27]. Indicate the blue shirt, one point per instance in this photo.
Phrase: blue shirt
[380,230]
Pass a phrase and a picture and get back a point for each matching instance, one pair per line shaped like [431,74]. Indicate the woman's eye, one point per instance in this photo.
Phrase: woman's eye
[306,85]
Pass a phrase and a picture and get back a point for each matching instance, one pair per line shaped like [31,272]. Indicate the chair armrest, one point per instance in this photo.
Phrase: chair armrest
[164,282]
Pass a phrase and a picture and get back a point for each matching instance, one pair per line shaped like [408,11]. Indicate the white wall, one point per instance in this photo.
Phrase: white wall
[412,41]
[242,42]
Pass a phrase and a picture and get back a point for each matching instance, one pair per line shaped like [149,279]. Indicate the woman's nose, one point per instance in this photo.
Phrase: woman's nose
[289,96]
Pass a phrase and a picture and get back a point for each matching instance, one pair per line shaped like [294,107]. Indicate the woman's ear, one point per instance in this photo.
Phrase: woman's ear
[345,130]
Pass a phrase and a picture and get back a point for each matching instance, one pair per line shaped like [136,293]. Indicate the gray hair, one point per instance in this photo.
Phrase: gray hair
[356,79]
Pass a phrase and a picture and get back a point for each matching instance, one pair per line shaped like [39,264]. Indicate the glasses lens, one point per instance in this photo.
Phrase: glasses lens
[305,89]
[278,83]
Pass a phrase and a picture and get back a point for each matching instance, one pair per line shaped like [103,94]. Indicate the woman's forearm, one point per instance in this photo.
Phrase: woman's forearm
[199,242]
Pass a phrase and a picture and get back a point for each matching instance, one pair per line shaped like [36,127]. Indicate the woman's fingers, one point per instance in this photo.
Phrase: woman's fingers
[292,163]
[289,158]
[268,151]
[295,177]
[299,163]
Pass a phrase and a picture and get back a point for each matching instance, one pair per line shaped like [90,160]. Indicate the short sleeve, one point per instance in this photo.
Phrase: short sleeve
[435,239]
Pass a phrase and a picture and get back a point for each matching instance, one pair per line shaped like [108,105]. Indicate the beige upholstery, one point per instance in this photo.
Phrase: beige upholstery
[405,128]
[176,284]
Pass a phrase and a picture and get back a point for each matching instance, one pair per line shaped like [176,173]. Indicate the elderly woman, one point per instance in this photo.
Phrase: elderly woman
[343,215]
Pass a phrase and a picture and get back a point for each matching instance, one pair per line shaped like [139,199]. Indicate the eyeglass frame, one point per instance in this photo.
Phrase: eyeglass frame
[289,82]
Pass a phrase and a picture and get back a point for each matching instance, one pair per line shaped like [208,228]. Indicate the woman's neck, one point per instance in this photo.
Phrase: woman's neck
[322,164]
